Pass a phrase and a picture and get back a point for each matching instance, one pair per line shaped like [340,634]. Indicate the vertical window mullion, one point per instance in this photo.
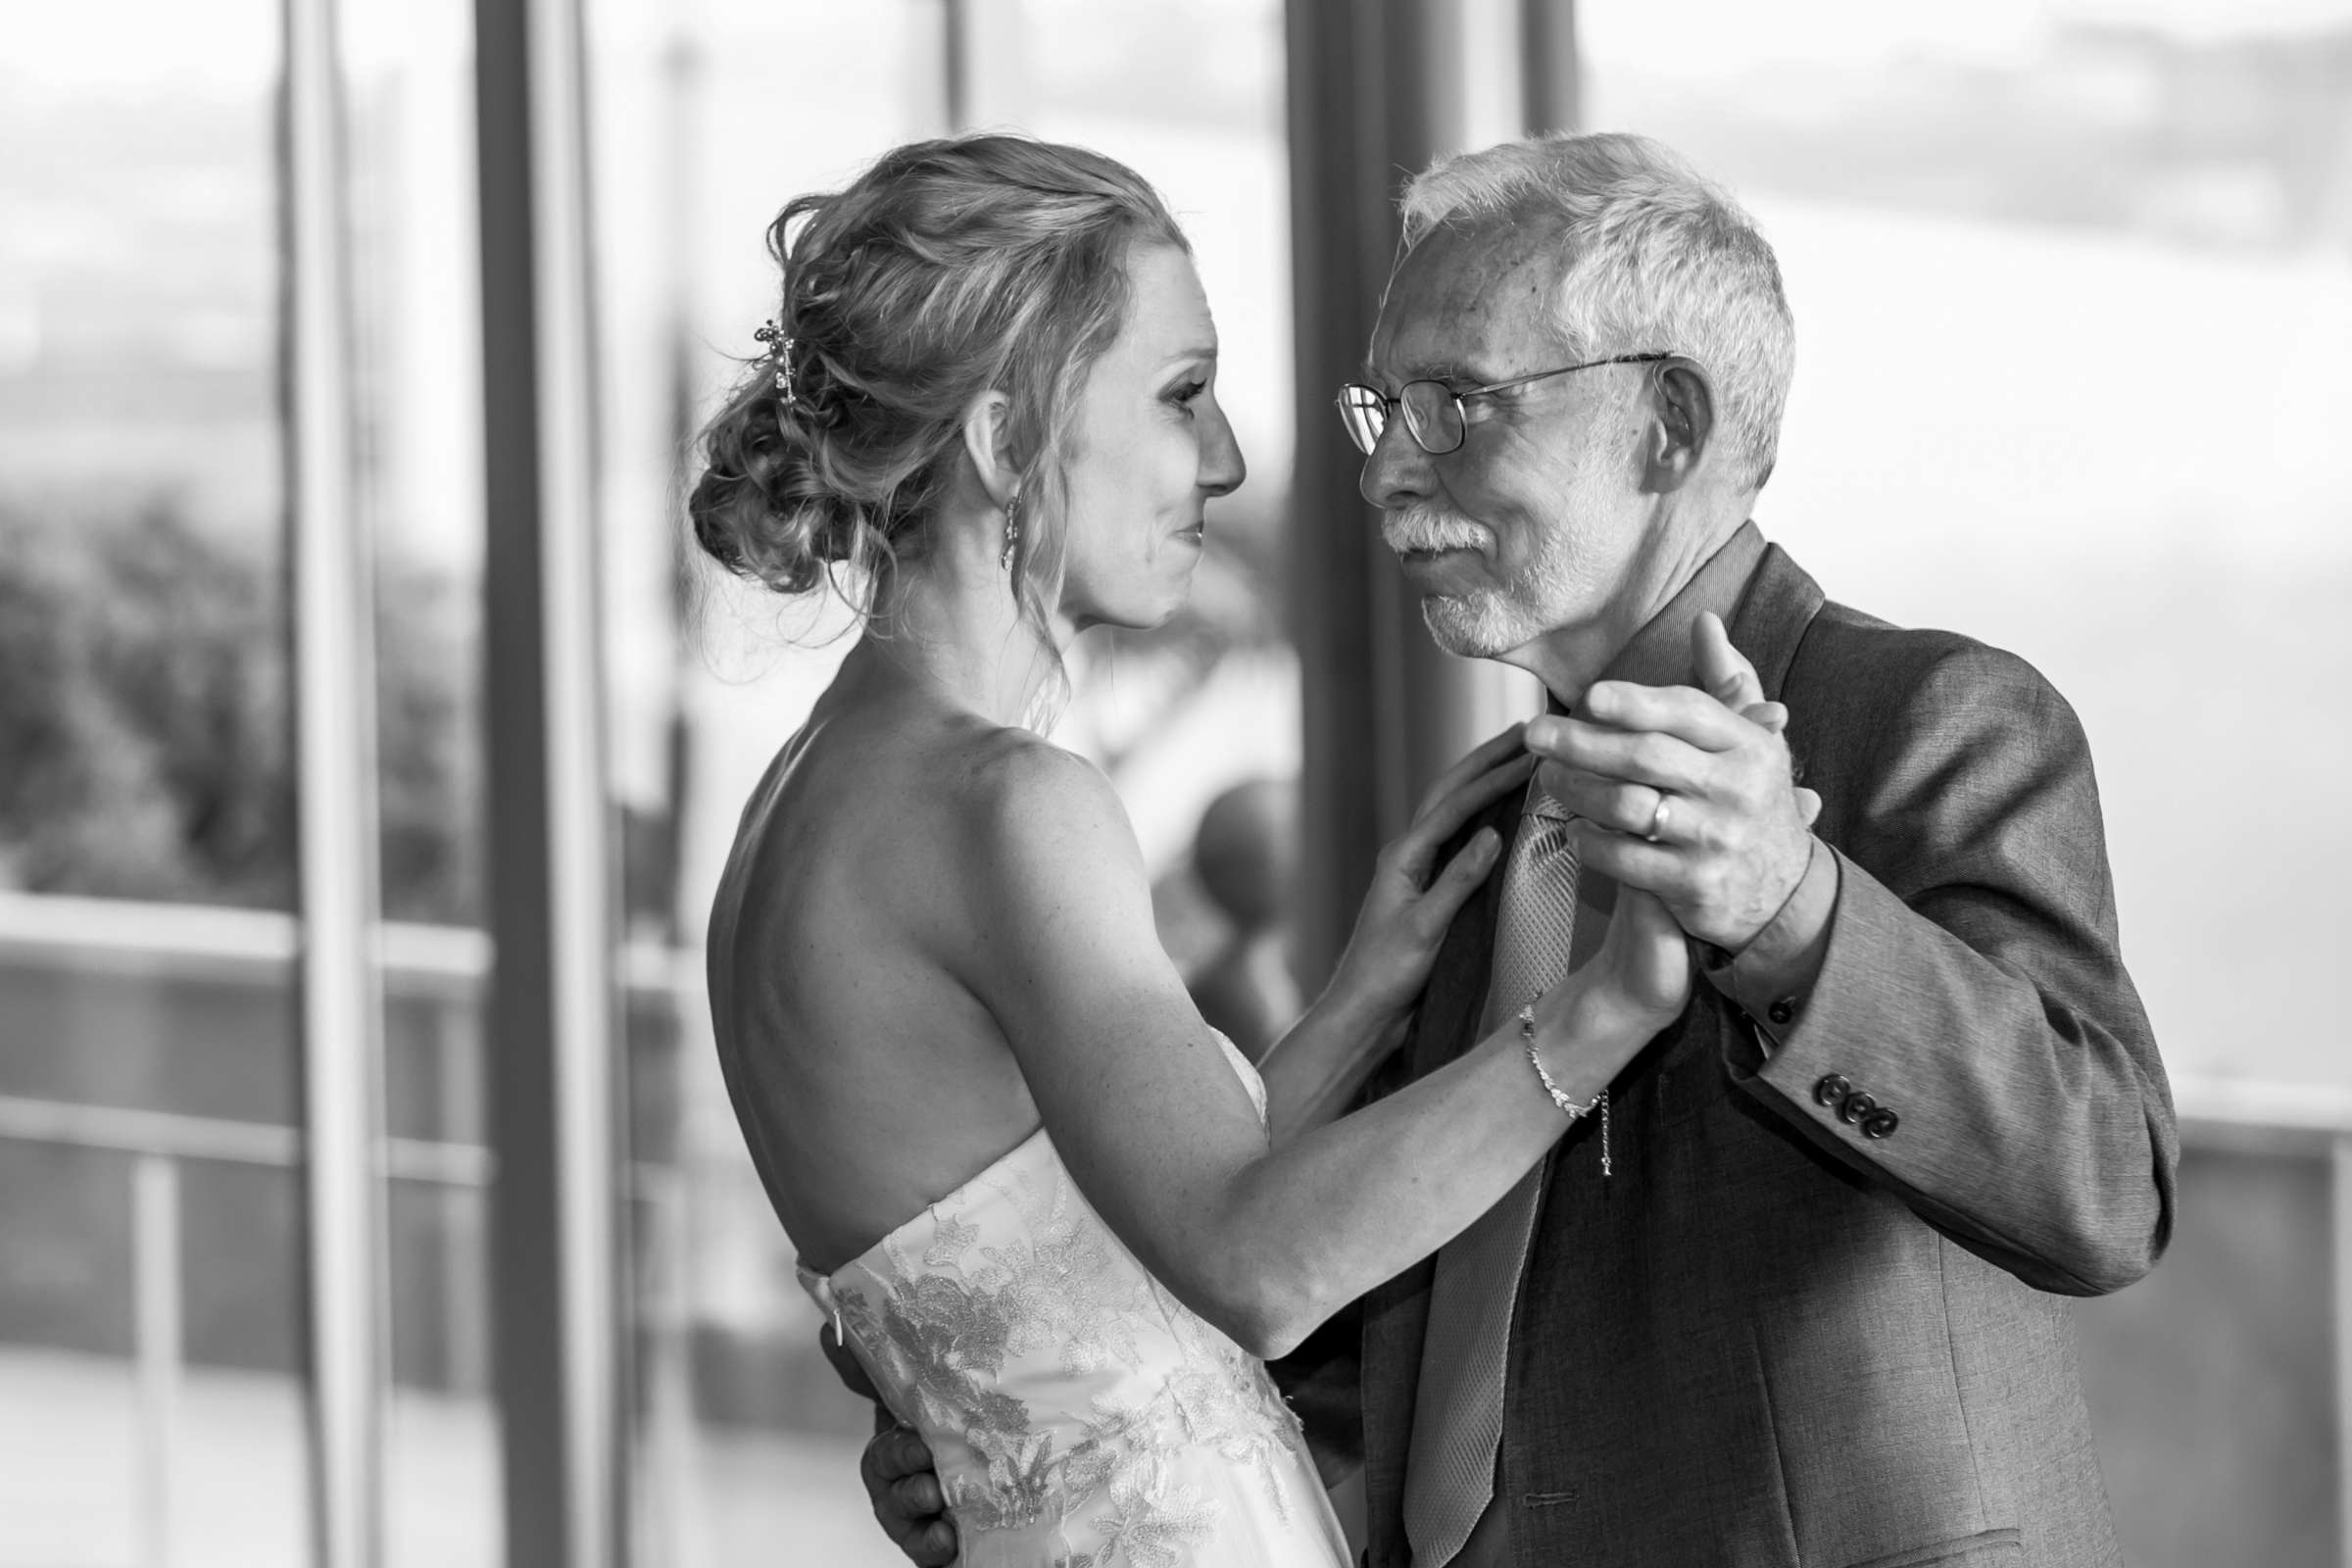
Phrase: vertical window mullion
[556,1257]
[334,731]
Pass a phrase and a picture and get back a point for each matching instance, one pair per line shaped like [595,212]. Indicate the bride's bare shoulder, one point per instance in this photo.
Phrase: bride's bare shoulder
[949,807]
[994,763]
[1022,801]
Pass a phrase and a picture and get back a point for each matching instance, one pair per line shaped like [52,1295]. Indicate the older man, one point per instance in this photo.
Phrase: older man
[1796,1292]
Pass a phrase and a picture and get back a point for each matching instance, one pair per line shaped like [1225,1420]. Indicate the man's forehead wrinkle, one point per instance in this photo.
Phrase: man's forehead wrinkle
[1484,273]
[1465,305]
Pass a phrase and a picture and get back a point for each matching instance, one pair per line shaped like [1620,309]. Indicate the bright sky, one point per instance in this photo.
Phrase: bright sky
[1729,37]
[219,45]
[233,44]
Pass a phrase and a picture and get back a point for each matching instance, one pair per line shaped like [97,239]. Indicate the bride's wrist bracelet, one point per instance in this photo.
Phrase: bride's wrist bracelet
[1560,1095]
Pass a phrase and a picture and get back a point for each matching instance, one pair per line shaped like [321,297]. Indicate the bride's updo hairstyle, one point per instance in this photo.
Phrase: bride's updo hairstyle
[949,269]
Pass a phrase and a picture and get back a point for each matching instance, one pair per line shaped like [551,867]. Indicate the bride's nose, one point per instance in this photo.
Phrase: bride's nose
[1222,468]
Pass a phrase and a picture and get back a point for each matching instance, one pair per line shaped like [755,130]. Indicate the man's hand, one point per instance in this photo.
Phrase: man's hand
[1707,772]
[904,1492]
[897,1471]
[846,1367]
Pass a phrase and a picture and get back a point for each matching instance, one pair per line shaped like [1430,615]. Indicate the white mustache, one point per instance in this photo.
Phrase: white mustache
[1422,527]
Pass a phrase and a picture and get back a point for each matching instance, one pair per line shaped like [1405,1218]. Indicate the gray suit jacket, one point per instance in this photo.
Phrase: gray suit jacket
[1770,1339]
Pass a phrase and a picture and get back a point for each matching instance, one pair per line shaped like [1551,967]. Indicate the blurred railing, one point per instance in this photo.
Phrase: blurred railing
[58,955]
[158,1143]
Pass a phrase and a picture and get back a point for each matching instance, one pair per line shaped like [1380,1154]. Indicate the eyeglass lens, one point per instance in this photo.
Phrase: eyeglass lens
[1431,415]
[1364,415]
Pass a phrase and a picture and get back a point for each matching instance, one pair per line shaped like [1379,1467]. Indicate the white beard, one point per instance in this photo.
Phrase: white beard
[1557,578]
[1489,620]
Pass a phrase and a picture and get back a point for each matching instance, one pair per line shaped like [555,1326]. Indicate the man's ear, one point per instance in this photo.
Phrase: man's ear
[985,442]
[1682,424]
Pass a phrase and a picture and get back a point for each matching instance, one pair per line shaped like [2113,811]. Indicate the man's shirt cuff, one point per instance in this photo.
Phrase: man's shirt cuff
[1771,979]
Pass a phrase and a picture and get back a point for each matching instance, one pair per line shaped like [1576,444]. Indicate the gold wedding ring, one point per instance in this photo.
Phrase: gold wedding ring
[1657,818]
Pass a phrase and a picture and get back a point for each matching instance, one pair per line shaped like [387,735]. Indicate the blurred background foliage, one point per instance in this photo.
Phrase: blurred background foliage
[143,712]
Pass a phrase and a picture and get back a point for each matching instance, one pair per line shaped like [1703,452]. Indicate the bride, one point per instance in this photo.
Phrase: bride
[1056,1217]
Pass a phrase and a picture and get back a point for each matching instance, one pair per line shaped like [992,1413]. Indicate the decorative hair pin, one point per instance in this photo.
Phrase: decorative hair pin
[779,349]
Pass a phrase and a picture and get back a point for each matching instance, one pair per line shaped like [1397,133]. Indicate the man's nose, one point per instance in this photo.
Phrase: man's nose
[1398,472]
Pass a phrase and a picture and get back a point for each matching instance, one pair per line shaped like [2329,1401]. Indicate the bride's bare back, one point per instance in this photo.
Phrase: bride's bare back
[869,1076]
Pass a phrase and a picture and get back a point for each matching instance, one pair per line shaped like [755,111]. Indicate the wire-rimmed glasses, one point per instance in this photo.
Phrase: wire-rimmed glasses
[1434,414]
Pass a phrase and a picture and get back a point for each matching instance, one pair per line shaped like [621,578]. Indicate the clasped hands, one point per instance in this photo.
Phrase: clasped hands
[1684,792]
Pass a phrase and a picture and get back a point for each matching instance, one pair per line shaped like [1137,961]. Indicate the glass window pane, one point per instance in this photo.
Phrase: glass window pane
[2072,281]
[150,1282]
[2210,1384]
[408,80]
[2074,292]
[744,1444]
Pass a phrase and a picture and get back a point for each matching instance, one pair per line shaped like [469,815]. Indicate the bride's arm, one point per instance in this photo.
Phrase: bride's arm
[1313,1071]
[1161,1135]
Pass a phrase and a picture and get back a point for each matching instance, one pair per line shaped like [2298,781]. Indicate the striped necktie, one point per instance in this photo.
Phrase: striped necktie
[1457,1409]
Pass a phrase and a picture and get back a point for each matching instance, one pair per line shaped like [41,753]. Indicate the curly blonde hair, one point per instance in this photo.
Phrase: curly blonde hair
[949,269]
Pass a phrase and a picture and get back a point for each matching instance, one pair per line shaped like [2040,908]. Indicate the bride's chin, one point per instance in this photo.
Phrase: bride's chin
[1150,608]
[1152,620]
[1129,617]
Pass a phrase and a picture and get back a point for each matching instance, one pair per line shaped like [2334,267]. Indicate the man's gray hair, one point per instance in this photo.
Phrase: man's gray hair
[1659,258]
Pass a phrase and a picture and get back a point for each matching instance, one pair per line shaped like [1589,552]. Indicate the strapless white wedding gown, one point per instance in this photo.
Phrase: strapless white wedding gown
[1080,1416]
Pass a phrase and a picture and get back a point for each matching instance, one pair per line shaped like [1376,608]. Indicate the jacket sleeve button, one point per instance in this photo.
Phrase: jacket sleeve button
[1832,1091]
[1857,1105]
[1881,1123]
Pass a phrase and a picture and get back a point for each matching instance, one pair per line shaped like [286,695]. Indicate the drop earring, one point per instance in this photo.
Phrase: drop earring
[1012,530]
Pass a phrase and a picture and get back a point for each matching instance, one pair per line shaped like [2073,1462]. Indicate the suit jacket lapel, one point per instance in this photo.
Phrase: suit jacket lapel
[1446,1023]
[1774,614]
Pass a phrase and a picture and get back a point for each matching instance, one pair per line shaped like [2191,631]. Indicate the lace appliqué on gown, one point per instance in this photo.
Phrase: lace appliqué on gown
[1080,1415]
